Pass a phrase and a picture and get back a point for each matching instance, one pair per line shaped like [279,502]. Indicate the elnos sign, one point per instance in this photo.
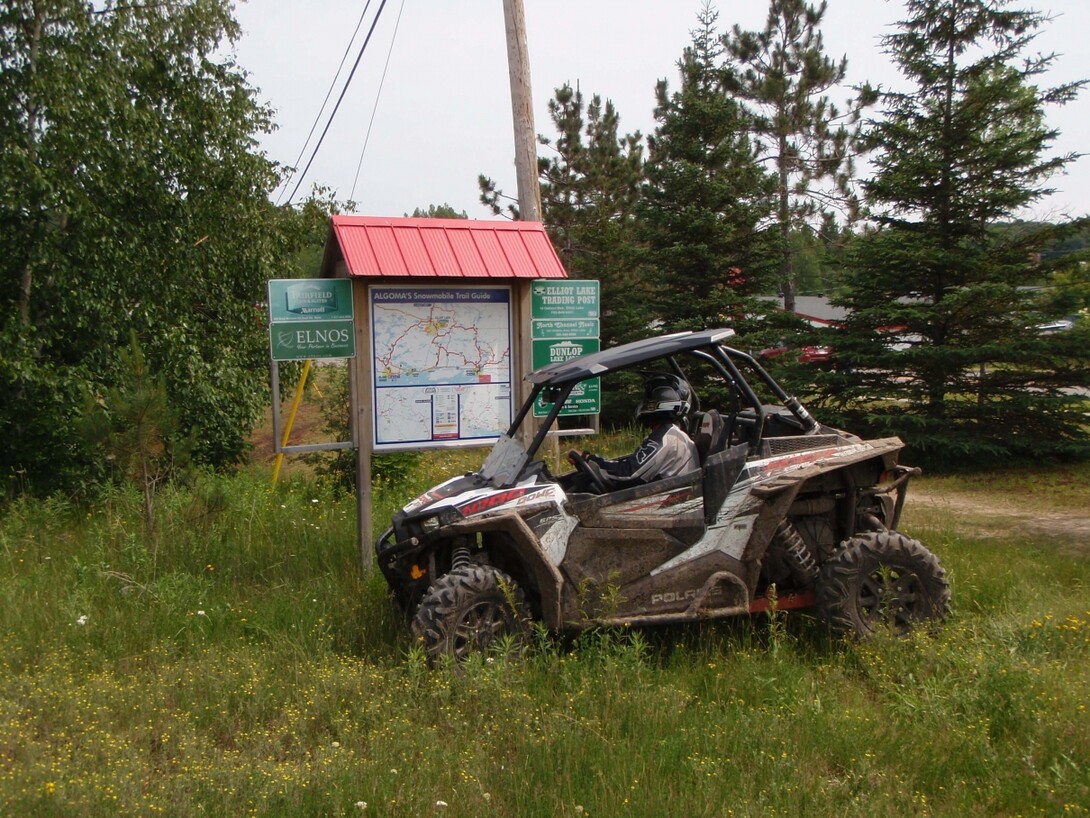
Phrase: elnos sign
[311,318]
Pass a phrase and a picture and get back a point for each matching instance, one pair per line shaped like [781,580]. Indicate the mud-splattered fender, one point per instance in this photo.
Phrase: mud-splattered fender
[546,577]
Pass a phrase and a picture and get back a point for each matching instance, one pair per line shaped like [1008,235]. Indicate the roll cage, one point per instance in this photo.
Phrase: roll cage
[555,382]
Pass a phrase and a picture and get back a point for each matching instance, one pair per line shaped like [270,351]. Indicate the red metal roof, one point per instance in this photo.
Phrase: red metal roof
[375,246]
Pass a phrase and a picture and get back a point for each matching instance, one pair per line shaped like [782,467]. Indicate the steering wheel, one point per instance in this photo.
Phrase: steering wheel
[589,469]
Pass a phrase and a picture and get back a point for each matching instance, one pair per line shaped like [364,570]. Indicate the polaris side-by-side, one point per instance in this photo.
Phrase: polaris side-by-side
[781,508]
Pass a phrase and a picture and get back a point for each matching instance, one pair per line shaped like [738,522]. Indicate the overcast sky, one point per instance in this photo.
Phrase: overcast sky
[444,112]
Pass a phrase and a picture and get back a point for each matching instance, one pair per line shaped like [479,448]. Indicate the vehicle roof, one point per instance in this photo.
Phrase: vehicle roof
[627,355]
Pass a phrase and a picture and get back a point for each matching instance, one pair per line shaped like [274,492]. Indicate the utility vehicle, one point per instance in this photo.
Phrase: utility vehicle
[782,511]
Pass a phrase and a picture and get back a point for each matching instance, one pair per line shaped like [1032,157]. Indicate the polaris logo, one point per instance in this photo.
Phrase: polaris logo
[687,595]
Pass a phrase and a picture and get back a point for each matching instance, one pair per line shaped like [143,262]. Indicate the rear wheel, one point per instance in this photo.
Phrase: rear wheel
[882,579]
[470,610]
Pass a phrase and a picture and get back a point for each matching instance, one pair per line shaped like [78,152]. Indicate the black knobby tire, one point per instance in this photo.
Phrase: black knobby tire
[469,610]
[882,579]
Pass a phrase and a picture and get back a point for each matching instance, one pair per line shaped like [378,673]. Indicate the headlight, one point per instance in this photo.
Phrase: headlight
[433,522]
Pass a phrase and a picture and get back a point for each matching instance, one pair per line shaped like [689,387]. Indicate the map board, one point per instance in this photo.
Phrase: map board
[442,370]
[564,325]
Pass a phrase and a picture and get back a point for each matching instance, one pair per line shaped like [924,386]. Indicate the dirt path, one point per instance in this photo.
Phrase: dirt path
[990,518]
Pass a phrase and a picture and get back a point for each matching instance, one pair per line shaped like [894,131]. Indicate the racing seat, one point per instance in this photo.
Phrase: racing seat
[709,435]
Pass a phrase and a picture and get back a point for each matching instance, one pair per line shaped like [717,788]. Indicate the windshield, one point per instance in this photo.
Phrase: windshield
[504,462]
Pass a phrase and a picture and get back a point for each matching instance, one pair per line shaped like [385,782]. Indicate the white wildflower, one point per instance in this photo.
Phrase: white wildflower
[81,619]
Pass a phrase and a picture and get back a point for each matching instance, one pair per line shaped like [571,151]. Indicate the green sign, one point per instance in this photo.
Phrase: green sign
[295,341]
[585,399]
[558,351]
[566,328]
[562,298]
[564,325]
[311,318]
[307,299]
[586,396]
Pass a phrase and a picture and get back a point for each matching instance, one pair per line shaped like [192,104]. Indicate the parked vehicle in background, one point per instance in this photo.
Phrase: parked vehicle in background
[808,354]
[1059,325]
[782,511]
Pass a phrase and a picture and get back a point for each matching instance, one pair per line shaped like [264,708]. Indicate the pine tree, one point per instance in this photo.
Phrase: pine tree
[706,197]
[443,211]
[138,429]
[942,332]
[783,75]
[590,180]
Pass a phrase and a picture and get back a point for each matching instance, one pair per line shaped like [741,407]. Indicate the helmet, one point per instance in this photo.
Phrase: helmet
[666,395]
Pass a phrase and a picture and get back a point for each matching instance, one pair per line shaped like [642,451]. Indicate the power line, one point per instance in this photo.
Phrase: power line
[328,93]
[378,96]
[337,106]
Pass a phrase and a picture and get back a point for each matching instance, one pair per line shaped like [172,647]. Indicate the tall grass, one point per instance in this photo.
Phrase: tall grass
[243,666]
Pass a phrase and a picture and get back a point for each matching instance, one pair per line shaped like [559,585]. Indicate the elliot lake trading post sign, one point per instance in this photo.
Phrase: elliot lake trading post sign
[565,325]
[311,318]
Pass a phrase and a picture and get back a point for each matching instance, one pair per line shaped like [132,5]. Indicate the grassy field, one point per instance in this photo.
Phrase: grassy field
[234,662]
[1061,488]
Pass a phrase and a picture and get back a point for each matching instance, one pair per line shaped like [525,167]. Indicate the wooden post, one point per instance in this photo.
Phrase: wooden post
[359,390]
[522,111]
[529,193]
[522,362]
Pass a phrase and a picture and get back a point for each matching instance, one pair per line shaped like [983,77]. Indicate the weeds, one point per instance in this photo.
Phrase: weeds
[254,671]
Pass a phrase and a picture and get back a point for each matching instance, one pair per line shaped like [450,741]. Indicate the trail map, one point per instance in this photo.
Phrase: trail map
[442,364]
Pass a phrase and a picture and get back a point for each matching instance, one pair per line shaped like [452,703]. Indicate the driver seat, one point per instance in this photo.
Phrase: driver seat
[710,436]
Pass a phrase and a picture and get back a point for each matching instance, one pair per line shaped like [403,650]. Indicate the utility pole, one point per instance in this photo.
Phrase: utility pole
[522,111]
[522,114]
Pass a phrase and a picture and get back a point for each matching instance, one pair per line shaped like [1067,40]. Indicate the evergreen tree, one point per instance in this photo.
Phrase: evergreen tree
[138,428]
[942,332]
[706,197]
[783,76]
[443,211]
[589,188]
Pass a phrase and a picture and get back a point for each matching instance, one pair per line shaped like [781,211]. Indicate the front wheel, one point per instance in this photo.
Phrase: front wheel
[470,610]
[882,578]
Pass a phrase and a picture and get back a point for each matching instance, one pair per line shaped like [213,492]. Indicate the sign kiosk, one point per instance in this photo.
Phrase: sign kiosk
[439,310]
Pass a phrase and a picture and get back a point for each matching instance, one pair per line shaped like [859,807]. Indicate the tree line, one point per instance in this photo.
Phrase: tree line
[748,185]
[138,232]
[134,210]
